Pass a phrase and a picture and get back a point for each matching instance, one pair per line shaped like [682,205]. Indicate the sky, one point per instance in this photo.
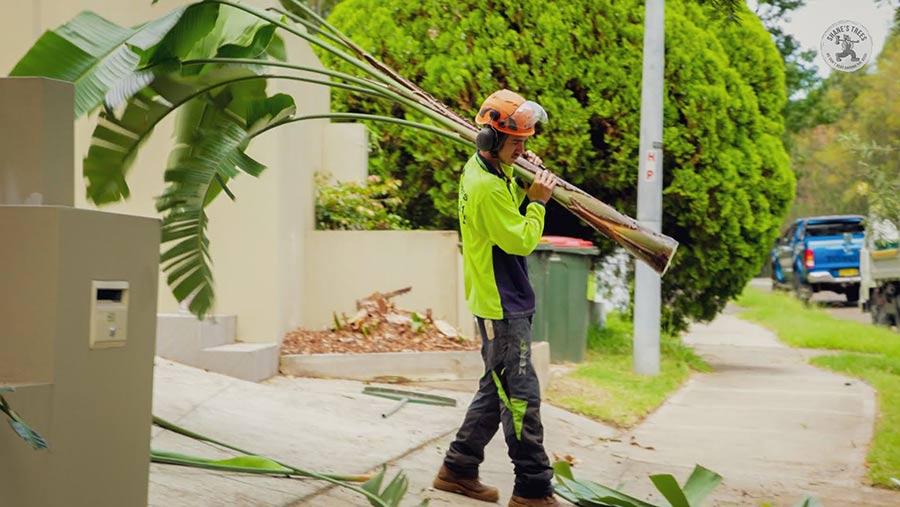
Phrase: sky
[808,23]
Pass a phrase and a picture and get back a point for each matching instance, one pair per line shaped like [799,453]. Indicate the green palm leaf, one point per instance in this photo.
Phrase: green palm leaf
[247,464]
[392,494]
[22,428]
[589,494]
[218,152]
[95,54]
[151,94]
[668,486]
[700,484]
[115,143]
[209,151]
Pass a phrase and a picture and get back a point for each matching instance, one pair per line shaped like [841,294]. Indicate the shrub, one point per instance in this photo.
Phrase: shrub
[357,207]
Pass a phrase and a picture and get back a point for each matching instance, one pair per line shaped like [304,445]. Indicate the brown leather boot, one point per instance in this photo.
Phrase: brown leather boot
[518,501]
[472,488]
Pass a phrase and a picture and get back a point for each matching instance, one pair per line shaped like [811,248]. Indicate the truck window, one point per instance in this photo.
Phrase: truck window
[834,228]
[789,235]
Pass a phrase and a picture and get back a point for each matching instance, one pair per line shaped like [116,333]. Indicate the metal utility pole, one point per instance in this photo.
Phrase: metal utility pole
[649,208]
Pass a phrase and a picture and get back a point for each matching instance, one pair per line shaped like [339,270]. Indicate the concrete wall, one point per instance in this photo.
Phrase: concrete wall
[359,263]
[91,405]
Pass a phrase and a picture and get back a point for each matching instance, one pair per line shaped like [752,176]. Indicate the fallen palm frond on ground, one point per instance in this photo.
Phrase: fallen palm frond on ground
[696,488]
[591,494]
[378,326]
[252,463]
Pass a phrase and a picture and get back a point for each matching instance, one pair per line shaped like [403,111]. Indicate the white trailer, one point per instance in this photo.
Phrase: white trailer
[879,263]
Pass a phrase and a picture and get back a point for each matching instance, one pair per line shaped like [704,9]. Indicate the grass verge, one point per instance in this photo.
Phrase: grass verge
[605,388]
[873,355]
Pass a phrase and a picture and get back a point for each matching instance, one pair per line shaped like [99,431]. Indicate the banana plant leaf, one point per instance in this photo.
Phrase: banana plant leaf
[393,492]
[245,464]
[251,463]
[21,428]
[98,55]
[591,494]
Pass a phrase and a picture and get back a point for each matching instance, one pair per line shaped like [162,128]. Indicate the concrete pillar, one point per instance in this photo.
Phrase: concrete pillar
[77,318]
[36,141]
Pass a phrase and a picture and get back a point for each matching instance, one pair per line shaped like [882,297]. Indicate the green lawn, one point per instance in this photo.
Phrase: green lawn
[604,387]
[874,357]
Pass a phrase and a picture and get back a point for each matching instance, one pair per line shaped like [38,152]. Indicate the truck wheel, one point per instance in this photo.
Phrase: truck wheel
[852,294]
[880,316]
[801,292]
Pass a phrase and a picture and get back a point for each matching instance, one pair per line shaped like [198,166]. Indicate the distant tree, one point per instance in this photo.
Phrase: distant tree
[848,161]
[875,142]
[801,80]
[727,181]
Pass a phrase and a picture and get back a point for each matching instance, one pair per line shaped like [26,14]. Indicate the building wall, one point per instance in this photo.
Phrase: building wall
[359,263]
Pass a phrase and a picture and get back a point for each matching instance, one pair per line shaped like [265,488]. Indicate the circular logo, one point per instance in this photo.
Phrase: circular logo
[846,46]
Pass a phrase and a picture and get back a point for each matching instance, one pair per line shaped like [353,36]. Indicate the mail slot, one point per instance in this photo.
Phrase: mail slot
[109,314]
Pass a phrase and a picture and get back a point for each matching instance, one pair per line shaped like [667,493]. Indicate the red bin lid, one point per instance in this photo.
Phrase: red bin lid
[566,242]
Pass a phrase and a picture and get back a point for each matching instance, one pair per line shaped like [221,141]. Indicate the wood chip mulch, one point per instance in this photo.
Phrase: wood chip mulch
[378,326]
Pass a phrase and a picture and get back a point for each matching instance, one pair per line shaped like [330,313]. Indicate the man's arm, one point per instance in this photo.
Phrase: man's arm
[514,233]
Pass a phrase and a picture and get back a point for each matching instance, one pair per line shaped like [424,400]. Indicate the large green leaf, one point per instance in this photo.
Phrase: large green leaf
[240,463]
[22,428]
[209,151]
[93,53]
[117,138]
[700,484]
[392,494]
[151,94]
[668,486]
[163,58]
[115,143]
[198,21]
[187,263]
[589,494]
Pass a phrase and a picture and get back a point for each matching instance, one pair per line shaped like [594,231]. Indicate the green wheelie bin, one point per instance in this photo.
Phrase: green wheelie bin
[559,269]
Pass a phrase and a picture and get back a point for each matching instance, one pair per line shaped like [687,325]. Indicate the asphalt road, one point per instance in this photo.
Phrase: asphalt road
[835,304]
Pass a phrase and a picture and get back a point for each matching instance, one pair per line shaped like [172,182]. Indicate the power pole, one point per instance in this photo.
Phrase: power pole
[647,294]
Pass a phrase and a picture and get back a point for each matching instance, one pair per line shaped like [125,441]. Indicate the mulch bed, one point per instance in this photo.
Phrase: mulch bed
[378,326]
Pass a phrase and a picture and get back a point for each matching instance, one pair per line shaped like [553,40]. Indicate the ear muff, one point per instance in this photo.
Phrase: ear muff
[487,138]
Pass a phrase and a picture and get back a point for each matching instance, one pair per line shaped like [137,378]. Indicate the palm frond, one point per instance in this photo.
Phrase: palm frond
[22,428]
[210,144]
[95,54]
[218,151]
[589,494]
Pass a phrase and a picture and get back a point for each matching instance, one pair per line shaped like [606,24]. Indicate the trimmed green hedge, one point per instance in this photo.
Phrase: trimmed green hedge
[727,177]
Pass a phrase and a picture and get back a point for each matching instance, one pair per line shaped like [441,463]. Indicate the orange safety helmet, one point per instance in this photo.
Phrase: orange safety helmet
[509,113]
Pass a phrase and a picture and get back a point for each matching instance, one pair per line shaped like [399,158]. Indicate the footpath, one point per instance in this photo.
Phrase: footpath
[776,428]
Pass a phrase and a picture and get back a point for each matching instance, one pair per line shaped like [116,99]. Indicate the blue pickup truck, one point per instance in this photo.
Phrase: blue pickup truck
[819,254]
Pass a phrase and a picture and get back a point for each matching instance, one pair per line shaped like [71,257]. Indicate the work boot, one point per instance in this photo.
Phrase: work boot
[518,501]
[472,488]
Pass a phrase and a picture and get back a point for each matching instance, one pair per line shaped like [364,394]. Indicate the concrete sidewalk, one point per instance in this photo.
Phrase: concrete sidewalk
[773,426]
